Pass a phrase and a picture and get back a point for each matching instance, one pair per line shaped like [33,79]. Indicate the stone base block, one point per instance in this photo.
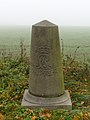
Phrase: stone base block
[33,102]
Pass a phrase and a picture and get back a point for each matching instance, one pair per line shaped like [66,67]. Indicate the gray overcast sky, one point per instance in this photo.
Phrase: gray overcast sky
[62,12]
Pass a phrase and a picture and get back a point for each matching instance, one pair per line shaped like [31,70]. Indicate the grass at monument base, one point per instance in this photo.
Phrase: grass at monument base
[14,76]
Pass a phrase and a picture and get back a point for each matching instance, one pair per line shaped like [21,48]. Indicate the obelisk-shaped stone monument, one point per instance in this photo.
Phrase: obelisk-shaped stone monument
[46,84]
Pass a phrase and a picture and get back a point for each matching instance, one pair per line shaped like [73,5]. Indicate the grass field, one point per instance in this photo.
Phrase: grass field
[73,37]
[14,75]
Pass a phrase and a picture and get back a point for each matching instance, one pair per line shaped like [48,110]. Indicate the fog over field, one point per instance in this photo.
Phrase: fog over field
[73,37]
[17,17]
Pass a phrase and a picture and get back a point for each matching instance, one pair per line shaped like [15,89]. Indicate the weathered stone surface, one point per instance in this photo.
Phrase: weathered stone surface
[45,23]
[46,76]
[46,85]
[62,102]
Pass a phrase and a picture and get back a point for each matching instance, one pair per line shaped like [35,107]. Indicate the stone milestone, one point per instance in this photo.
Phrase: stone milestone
[46,84]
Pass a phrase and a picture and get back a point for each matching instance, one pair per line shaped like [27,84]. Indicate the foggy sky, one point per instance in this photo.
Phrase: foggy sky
[62,12]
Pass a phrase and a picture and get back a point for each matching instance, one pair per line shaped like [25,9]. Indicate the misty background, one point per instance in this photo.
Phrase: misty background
[61,12]
[71,16]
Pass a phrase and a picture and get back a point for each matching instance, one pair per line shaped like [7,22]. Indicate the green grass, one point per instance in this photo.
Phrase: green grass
[14,76]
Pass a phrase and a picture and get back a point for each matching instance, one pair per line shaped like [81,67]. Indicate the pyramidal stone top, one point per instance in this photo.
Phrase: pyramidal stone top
[45,23]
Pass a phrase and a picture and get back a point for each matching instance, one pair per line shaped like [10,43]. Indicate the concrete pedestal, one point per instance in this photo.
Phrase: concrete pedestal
[61,102]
